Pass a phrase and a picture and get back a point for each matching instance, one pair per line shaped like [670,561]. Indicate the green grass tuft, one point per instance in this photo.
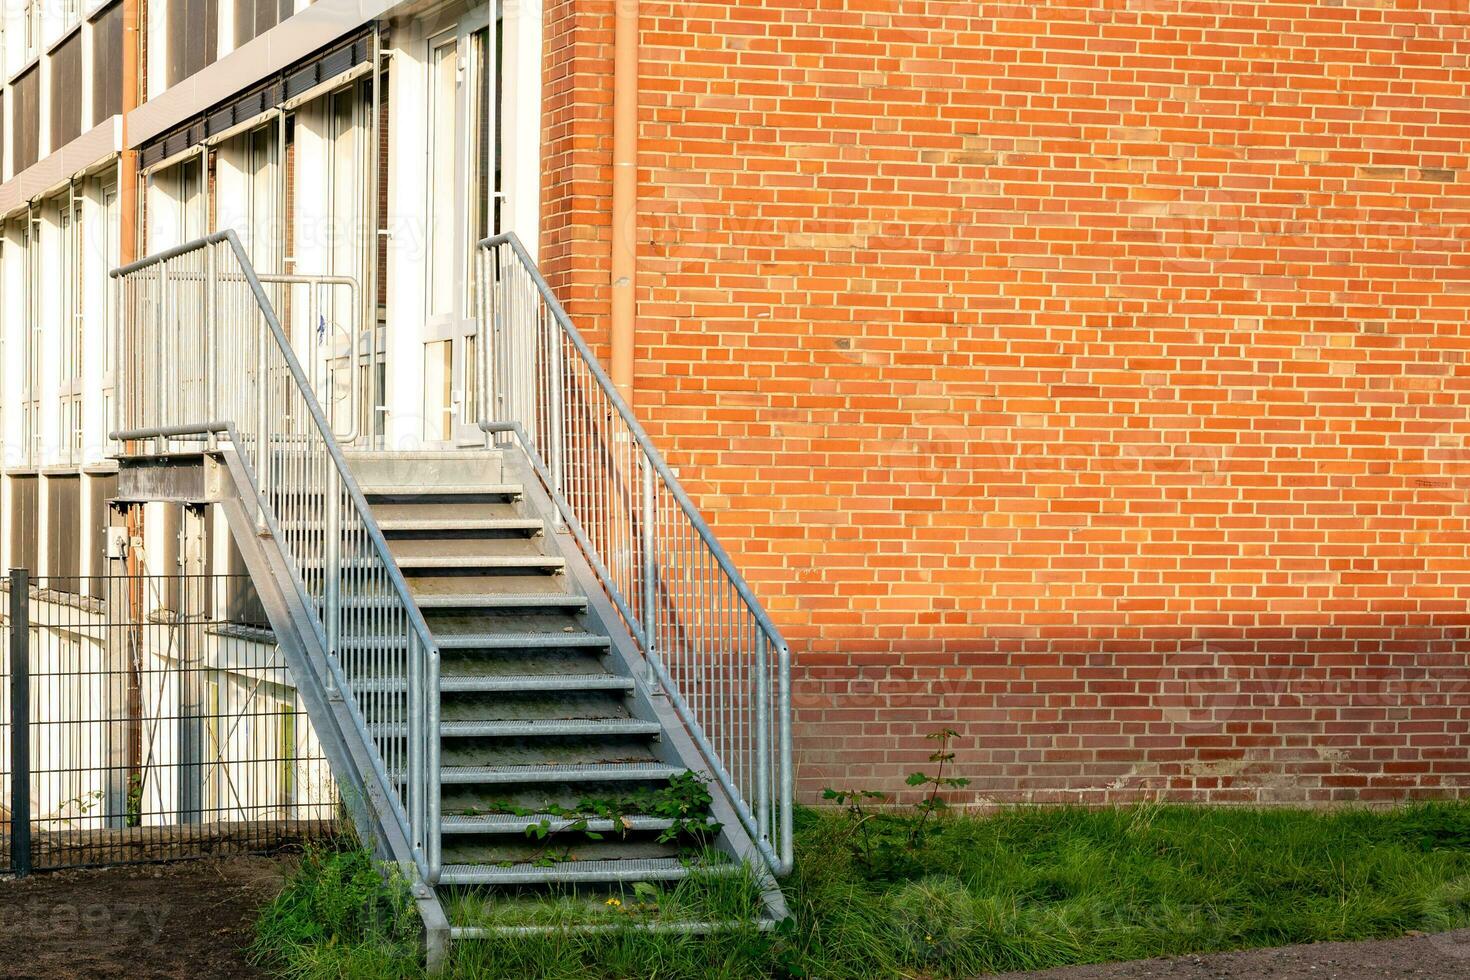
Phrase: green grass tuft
[337,917]
[1020,889]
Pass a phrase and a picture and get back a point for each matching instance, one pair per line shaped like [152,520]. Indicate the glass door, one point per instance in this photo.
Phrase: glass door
[462,209]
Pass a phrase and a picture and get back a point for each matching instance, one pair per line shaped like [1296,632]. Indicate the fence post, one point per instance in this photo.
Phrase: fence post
[20,722]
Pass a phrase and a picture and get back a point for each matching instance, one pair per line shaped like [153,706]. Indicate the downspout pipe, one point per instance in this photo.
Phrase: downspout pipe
[127,177]
[625,195]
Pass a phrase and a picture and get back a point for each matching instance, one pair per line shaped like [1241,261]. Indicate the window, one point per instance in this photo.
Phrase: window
[464,164]
[63,533]
[25,98]
[444,196]
[99,514]
[112,231]
[25,518]
[69,362]
[193,37]
[242,603]
[29,335]
[107,55]
[32,17]
[66,92]
[254,17]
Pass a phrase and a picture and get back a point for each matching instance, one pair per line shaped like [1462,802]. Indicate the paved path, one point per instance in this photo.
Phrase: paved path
[1440,957]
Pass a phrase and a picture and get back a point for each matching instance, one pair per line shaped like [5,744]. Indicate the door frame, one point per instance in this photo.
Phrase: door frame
[457,325]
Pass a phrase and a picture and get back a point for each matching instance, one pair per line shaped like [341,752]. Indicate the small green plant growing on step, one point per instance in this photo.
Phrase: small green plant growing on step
[685,802]
[933,803]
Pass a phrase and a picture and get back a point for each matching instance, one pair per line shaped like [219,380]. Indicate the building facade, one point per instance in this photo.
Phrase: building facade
[1087,377]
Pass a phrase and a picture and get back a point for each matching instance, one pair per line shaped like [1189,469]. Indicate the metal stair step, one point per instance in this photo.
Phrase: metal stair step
[444,490]
[577,872]
[533,728]
[401,525]
[609,772]
[499,823]
[601,928]
[501,600]
[542,728]
[487,641]
[510,683]
[479,561]
[519,641]
[537,682]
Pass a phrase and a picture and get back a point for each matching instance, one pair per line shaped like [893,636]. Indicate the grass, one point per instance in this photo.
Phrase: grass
[1018,889]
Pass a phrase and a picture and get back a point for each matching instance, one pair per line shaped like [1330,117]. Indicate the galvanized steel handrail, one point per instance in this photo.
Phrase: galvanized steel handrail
[286,284]
[202,343]
[708,641]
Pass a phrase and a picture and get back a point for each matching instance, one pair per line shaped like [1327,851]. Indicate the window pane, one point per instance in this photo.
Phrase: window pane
[107,50]
[442,196]
[25,96]
[438,389]
[66,92]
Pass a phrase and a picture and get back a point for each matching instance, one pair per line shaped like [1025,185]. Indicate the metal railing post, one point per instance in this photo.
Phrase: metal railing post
[650,564]
[417,723]
[762,734]
[262,429]
[333,563]
[556,396]
[207,328]
[163,356]
[20,722]
[433,747]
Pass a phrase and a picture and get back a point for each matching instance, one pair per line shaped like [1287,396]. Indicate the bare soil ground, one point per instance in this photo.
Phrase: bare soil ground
[189,919]
[1440,957]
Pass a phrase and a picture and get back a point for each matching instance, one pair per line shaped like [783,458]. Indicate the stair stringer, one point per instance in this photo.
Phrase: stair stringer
[230,486]
[675,746]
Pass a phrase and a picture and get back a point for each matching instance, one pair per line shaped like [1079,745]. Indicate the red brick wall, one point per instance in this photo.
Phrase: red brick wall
[577,177]
[1087,376]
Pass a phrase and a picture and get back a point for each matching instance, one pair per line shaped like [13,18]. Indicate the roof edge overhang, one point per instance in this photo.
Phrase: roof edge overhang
[274,51]
[85,154]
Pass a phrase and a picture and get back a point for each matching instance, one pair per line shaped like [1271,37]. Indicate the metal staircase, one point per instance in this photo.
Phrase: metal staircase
[535,641]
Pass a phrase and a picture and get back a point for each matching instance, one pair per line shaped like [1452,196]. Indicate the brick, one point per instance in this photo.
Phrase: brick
[1069,374]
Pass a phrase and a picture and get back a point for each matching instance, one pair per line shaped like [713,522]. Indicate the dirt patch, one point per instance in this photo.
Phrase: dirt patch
[1440,957]
[189,919]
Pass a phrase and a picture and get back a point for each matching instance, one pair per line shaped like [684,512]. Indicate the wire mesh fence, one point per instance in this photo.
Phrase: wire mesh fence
[143,722]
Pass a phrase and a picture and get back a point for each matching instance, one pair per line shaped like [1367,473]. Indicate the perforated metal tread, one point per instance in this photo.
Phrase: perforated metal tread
[480,561]
[599,928]
[599,773]
[517,641]
[573,872]
[511,683]
[538,682]
[444,490]
[503,600]
[534,728]
[391,525]
[499,823]
[488,641]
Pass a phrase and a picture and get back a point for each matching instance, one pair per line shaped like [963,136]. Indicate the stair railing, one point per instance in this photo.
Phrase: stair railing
[708,643]
[203,357]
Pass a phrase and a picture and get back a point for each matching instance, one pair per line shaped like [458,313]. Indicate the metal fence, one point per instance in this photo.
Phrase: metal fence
[140,724]
[708,641]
